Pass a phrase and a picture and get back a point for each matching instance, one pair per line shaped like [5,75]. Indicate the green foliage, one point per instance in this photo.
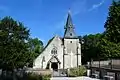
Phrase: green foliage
[16,48]
[99,48]
[89,47]
[109,49]
[112,25]
[105,45]
[35,45]
[75,72]
[35,48]
[32,76]
[13,47]
[110,43]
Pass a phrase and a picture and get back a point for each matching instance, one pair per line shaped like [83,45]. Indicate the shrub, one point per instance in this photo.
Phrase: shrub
[78,71]
[32,76]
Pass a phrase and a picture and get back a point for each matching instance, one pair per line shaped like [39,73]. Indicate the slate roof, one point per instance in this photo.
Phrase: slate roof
[50,42]
[69,28]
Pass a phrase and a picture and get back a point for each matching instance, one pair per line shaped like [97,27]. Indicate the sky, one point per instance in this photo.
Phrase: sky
[47,18]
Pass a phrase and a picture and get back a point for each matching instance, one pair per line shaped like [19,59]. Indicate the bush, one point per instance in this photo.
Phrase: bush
[32,76]
[78,71]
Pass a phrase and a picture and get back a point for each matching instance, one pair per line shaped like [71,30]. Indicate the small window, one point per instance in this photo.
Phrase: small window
[70,41]
[43,58]
[70,34]
[53,51]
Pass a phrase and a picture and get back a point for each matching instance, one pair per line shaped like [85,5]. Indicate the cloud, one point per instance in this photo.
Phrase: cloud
[97,5]
[78,6]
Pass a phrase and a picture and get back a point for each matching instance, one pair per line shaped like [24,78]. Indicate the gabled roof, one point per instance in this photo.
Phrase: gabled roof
[54,57]
[50,42]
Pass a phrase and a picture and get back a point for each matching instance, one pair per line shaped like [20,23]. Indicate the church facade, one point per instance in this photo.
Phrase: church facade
[61,53]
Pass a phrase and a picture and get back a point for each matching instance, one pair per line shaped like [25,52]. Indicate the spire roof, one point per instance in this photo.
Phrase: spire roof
[69,20]
[69,27]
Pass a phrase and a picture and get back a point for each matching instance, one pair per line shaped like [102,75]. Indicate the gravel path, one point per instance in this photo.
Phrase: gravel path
[72,78]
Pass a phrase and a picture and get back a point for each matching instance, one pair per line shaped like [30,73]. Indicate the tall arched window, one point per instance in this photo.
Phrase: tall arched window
[54,51]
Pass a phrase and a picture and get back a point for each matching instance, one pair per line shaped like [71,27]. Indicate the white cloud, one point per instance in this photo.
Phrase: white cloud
[78,6]
[97,5]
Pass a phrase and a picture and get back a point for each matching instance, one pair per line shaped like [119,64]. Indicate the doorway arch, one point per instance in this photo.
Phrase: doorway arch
[54,65]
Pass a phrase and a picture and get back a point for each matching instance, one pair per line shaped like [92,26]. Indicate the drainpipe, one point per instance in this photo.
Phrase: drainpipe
[63,57]
[77,57]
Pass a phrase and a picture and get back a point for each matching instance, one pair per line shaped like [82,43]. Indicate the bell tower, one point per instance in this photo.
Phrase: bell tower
[72,47]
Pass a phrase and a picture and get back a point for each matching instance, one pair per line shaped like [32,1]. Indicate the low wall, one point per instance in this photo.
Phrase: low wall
[39,71]
[106,62]
[116,62]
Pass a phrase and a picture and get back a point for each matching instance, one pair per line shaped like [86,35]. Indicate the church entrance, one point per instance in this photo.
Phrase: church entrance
[54,65]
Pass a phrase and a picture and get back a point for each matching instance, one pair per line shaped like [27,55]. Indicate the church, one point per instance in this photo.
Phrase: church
[61,52]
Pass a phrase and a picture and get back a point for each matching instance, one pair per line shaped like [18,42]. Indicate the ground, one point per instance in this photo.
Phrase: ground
[73,78]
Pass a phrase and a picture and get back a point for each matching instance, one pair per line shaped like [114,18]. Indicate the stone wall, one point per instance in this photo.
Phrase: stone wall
[39,71]
[71,52]
[47,54]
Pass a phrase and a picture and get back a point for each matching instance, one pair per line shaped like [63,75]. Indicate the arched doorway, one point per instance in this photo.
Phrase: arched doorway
[54,65]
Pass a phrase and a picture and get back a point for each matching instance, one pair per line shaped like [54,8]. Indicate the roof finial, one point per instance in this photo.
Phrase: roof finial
[69,11]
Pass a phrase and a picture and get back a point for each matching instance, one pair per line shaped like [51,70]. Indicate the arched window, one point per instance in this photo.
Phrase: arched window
[43,58]
[54,51]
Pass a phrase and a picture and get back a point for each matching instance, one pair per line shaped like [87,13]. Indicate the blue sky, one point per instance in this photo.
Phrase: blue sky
[45,18]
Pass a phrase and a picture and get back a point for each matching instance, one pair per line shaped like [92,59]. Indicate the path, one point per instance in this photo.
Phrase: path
[58,73]
[73,78]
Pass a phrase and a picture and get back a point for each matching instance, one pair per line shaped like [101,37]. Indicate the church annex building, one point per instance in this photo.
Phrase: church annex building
[61,53]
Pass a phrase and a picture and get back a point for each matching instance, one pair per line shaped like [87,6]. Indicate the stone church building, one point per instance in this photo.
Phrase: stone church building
[61,53]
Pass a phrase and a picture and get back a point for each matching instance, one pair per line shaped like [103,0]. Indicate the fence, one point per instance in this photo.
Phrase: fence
[106,68]
[113,63]
[22,74]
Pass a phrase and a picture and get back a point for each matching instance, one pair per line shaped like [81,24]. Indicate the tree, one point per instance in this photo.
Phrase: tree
[14,49]
[112,25]
[105,45]
[89,47]
[35,48]
[110,43]
[109,50]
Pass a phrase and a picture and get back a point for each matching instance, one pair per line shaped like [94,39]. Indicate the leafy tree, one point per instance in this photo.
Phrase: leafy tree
[107,44]
[108,50]
[13,46]
[35,48]
[112,25]
[110,43]
[89,47]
